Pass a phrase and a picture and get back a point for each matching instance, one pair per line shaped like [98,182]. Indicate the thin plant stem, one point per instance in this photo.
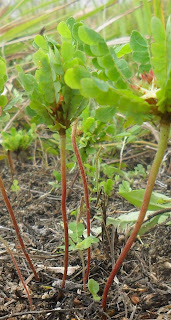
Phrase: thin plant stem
[162,145]
[11,163]
[62,137]
[14,221]
[18,271]
[86,192]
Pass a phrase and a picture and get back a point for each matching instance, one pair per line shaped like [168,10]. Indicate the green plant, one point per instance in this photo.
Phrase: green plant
[79,242]
[93,287]
[15,187]
[17,141]
[52,102]
[111,84]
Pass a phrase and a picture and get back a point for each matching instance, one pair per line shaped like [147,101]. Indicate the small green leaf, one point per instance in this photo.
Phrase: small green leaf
[41,43]
[88,88]
[75,30]
[140,49]
[3,101]
[86,243]
[81,55]
[93,287]
[70,22]
[124,187]
[89,36]
[73,76]
[159,51]
[157,29]
[108,186]
[122,50]
[105,114]
[88,124]
[64,30]
[100,49]
[168,44]
[15,187]
[124,68]
[67,51]
[2,68]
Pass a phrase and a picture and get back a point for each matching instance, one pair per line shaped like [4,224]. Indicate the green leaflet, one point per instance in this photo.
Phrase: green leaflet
[93,287]
[168,44]
[157,201]
[3,76]
[89,36]
[114,70]
[67,51]
[63,30]
[159,51]
[140,51]
[123,50]
[41,43]
[73,76]
[105,114]
[3,100]
[89,89]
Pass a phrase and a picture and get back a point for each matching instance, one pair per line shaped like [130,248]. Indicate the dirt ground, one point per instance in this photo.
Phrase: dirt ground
[143,286]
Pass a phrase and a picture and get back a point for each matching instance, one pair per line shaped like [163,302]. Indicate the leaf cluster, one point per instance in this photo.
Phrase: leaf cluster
[110,81]
[51,101]
[77,240]
[17,140]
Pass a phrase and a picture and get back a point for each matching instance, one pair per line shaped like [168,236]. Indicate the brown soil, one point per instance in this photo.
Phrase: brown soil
[143,289]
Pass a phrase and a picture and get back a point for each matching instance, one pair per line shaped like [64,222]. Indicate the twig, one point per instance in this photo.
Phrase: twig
[19,314]
[156,213]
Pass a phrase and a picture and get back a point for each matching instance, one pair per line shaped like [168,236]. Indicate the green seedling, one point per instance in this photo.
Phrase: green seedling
[142,97]
[3,117]
[15,187]
[54,103]
[17,141]
[55,184]
[93,287]
[78,242]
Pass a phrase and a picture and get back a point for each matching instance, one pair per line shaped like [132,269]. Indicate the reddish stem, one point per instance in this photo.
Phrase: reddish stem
[18,271]
[86,193]
[62,137]
[11,212]
[164,134]
[11,163]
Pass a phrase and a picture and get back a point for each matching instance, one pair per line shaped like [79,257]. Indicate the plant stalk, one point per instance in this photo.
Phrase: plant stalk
[86,193]
[14,221]
[18,271]
[62,137]
[11,163]
[162,145]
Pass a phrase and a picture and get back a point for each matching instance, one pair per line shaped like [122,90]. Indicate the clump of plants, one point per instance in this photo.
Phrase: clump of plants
[17,140]
[142,96]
